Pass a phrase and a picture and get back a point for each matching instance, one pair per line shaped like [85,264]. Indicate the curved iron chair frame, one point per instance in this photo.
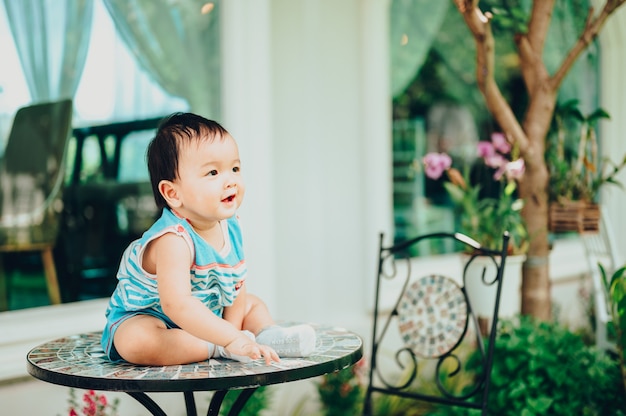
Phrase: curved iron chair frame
[474,398]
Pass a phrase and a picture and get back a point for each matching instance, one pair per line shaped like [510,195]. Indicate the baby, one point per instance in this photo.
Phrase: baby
[181,295]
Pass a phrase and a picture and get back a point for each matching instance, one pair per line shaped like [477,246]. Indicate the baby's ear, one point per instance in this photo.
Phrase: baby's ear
[170,193]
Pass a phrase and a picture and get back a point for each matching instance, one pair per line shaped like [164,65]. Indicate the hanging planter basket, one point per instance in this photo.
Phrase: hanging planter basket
[574,216]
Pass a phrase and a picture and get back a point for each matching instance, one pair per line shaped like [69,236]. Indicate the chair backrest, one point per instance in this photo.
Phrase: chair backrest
[425,329]
[32,169]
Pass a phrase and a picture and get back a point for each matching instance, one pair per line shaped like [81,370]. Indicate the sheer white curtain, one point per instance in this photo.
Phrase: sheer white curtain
[178,44]
[51,38]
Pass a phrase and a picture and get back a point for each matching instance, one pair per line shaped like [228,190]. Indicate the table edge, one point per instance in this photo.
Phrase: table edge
[198,384]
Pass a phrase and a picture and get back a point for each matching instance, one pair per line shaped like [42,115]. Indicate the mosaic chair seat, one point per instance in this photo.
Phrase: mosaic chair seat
[428,344]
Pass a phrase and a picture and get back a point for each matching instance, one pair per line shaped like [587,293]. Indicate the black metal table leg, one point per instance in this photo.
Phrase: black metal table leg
[218,398]
[190,404]
[241,401]
[216,402]
[147,402]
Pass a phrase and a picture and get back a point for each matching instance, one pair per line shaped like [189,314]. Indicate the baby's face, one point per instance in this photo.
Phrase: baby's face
[209,180]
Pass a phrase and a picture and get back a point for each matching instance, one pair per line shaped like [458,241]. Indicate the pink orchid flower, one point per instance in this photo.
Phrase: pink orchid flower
[435,164]
[496,161]
[485,149]
[515,169]
[500,143]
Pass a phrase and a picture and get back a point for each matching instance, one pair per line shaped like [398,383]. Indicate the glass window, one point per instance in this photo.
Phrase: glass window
[437,106]
[113,88]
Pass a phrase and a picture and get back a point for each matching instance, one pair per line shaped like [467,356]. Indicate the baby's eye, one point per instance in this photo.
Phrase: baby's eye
[212,172]
[236,169]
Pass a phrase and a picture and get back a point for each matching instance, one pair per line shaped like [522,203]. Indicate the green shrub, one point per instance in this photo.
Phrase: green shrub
[542,368]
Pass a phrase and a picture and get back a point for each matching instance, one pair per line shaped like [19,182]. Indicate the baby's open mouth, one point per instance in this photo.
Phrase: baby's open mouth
[229,198]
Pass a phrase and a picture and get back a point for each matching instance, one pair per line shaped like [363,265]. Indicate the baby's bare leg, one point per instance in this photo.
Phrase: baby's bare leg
[257,316]
[145,340]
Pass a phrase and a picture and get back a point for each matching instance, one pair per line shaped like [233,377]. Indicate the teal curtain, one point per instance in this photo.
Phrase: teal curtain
[416,26]
[582,82]
[413,25]
[52,39]
[178,44]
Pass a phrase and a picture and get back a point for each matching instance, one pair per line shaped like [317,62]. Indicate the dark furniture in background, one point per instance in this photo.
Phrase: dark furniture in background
[435,329]
[102,213]
[32,172]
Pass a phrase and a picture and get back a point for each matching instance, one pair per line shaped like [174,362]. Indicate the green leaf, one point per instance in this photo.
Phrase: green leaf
[618,276]
[510,188]
[540,404]
[596,115]
[517,390]
[456,193]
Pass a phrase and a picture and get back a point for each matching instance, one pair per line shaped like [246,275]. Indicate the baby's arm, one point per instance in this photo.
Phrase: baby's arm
[171,258]
[236,312]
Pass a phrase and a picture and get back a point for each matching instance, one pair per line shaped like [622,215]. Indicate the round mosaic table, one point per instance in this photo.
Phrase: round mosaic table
[79,361]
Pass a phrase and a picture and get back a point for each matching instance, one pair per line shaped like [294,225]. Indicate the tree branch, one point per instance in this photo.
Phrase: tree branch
[532,68]
[591,31]
[530,46]
[540,17]
[479,25]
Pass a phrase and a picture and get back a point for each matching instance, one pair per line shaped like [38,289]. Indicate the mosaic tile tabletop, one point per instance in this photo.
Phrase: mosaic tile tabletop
[79,361]
[432,316]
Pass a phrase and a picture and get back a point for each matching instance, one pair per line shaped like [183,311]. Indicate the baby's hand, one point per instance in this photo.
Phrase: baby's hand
[244,349]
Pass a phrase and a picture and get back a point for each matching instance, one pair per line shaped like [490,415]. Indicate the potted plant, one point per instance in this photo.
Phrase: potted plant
[577,172]
[486,217]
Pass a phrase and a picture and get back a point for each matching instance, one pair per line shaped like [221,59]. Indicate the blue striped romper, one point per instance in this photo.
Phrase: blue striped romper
[215,277]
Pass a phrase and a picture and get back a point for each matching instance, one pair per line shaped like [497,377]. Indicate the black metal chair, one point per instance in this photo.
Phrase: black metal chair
[436,352]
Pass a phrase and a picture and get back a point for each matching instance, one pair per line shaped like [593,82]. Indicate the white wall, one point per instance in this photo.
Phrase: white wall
[613,85]
[247,114]
[306,95]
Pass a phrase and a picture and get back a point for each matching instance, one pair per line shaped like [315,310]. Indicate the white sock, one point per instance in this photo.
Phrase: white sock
[211,348]
[221,351]
[294,341]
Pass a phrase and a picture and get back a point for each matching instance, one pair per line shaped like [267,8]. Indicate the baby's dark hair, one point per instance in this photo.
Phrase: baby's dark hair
[163,151]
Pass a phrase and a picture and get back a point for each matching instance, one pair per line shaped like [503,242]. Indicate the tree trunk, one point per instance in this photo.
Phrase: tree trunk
[533,188]
[536,299]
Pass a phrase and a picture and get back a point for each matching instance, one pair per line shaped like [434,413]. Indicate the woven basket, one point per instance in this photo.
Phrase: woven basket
[576,216]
